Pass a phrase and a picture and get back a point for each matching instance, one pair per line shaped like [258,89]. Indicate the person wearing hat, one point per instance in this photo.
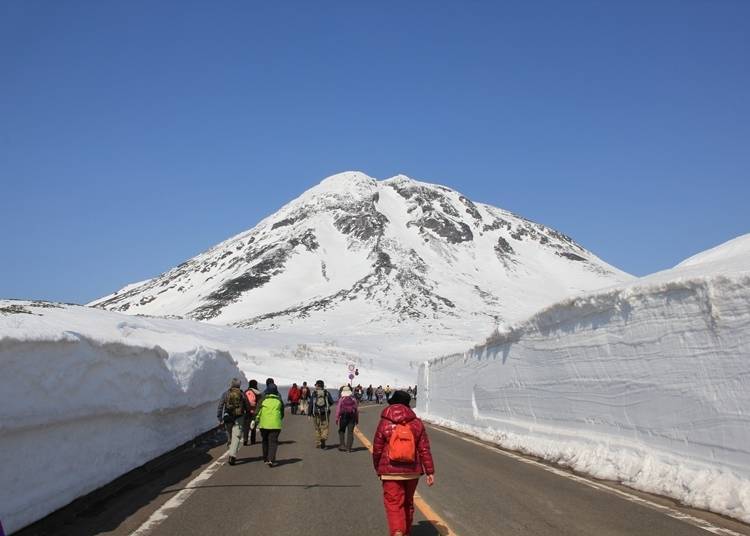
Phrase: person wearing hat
[231,412]
[347,416]
[400,455]
[320,409]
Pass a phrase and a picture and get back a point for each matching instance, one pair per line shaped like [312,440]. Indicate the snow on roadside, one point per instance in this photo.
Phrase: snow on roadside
[87,395]
[645,383]
[84,399]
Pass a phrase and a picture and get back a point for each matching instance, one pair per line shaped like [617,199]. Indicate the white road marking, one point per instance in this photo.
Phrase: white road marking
[671,512]
[175,502]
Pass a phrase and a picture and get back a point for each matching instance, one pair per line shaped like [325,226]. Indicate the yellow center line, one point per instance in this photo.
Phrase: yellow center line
[431,515]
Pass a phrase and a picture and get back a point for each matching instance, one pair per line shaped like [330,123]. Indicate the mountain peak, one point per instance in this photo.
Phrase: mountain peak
[355,254]
[345,181]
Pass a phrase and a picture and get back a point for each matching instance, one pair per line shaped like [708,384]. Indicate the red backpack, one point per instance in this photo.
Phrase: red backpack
[401,445]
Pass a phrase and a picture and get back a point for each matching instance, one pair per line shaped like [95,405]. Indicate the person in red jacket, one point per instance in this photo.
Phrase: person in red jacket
[293,398]
[400,478]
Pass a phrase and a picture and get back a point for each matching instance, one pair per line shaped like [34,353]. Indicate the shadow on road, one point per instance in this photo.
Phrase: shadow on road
[304,486]
[354,449]
[425,528]
[106,508]
[288,461]
[241,461]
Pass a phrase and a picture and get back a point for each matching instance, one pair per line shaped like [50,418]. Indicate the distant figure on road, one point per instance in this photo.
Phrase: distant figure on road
[293,398]
[347,416]
[231,414]
[253,396]
[320,409]
[379,394]
[304,399]
[269,418]
[401,454]
[370,392]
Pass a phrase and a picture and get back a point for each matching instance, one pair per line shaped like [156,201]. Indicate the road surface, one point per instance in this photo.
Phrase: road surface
[479,490]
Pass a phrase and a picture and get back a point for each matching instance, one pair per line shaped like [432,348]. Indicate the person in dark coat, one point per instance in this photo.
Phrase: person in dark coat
[400,478]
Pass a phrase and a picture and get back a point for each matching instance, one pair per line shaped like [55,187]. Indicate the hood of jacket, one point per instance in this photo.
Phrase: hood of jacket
[398,414]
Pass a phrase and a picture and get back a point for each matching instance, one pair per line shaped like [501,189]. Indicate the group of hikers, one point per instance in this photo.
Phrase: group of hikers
[400,448]
[378,394]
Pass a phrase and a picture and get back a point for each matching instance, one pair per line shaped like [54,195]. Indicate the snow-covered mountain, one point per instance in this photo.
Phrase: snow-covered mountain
[362,256]
[643,381]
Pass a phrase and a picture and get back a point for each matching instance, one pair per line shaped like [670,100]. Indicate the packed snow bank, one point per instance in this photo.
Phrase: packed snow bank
[84,400]
[86,395]
[646,383]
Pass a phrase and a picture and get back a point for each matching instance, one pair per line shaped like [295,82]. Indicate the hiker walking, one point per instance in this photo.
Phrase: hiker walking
[253,396]
[320,409]
[379,394]
[304,398]
[269,418]
[347,416]
[401,454]
[293,397]
[231,414]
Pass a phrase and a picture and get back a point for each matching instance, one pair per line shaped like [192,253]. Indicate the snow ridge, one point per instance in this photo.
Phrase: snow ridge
[643,383]
[73,372]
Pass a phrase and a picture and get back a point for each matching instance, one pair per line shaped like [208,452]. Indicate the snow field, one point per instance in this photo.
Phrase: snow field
[645,383]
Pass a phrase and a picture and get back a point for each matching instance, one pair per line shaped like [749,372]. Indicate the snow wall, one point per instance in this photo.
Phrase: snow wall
[80,408]
[648,384]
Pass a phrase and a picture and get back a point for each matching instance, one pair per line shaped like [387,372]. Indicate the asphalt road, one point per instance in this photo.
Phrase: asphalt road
[479,490]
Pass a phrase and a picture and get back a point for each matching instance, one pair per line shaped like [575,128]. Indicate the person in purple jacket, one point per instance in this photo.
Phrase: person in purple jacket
[347,417]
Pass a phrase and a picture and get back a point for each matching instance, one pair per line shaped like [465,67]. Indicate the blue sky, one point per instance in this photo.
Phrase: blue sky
[134,135]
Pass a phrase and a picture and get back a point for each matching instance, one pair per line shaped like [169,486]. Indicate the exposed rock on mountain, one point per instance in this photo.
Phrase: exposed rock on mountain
[357,255]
